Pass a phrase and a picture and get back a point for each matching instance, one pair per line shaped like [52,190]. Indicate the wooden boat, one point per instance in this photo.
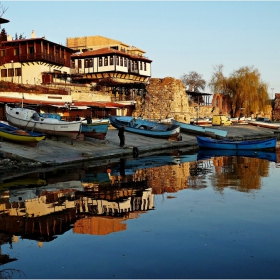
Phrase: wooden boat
[146,127]
[17,135]
[264,122]
[209,143]
[200,130]
[29,119]
[201,121]
[206,154]
[97,129]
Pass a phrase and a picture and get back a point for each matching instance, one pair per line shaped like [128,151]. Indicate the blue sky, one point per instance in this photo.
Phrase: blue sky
[178,37]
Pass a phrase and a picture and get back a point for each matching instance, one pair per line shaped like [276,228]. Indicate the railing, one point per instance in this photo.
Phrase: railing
[42,57]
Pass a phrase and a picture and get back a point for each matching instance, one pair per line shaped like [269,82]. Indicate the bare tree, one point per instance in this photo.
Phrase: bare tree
[193,81]
[2,10]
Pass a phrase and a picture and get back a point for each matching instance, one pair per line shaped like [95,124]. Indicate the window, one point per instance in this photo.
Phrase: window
[4,73]
[16,51]
[3,52]
[121,61]
[100,61]
[86,63]
[79,63]
[117,60]
[140,65]
[125,62]
[91,62]
[17,71]
[145,66]
[111,60]
[31,50]
[73,64]
[10,72]
[135,65]
[106,61]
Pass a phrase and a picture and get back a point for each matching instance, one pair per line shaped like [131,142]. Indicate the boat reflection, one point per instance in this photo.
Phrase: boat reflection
[204,154]
[99,200]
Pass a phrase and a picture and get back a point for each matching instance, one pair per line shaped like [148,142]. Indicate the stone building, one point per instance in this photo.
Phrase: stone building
[165,98]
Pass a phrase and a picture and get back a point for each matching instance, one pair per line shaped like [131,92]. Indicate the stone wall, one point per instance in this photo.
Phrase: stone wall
[276,109]
[166,98]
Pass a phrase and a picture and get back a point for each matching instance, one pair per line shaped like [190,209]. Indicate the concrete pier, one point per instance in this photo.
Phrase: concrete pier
[53,152]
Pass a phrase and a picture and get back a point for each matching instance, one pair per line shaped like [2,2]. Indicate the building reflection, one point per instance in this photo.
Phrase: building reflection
[98,200]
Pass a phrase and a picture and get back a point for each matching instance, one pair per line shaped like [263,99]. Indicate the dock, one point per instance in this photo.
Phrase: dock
[55,152]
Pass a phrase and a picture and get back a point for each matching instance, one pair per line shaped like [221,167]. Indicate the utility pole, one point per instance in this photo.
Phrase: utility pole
[272,93]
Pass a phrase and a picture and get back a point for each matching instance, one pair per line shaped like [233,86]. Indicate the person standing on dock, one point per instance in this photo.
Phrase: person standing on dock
[121,136]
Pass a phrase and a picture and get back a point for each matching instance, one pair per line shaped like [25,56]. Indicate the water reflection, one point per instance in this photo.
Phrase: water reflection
[97,200]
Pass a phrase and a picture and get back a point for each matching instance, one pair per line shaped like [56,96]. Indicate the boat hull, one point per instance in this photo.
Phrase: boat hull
[263,144]
[200,130]
[206,154]
[146,128]
[97,129]
[16,135]
[265,124]
[22,118]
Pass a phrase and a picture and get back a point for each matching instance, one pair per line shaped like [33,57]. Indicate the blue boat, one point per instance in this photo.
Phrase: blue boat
[262,144]
[200,130]
[146,127]
[206,154]
[17,135]
[97,129]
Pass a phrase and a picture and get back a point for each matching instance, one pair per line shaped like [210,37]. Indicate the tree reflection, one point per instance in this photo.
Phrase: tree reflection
[238,173]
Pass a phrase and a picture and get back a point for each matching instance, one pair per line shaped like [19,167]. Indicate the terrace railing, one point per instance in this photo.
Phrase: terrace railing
[42,57]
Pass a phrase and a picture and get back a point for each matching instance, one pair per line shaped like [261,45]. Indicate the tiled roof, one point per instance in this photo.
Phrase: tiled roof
[107,51]
[100,52]
[99,104]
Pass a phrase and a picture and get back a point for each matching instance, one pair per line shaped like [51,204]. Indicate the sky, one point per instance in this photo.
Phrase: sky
[178,36]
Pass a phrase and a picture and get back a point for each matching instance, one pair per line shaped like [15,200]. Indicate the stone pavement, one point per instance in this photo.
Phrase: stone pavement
[59,152]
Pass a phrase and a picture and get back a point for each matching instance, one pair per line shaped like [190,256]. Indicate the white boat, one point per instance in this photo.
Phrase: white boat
[264,122]
[30,119]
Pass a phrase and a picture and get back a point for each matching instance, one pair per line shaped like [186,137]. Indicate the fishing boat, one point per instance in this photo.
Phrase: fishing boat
[146,127]
[201,121]
[30,119]
[206,154]
[20,136]
[97,129]
[200,130]
[264,122]
[260,144]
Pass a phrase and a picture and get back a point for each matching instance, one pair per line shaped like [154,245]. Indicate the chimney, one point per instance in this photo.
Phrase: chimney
[33,34]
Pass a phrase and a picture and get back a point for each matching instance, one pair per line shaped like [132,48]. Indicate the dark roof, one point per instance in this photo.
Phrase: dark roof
[194,93]
[8,43]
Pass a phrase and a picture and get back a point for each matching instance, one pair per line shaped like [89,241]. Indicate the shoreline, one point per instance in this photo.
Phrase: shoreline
[53,152]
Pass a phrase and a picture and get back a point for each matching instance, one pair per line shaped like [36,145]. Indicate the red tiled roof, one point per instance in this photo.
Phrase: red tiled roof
[100,52]
[108,51]
[77,103]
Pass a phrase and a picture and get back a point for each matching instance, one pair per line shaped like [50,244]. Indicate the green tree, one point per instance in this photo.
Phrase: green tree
[193,81]
[244,87]
[3,35]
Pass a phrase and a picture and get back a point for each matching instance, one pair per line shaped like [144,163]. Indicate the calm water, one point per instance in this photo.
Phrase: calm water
[168,216]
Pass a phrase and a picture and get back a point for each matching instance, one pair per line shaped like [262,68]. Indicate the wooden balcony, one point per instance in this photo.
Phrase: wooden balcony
[134,71]
[48,58]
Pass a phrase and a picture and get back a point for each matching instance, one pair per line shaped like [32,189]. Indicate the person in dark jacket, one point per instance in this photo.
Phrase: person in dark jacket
[121,135]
